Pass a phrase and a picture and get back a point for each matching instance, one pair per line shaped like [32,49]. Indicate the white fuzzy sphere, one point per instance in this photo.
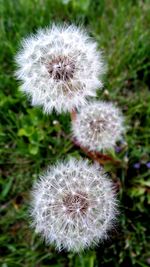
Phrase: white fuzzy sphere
[59,67]
[98,125]
[73,205]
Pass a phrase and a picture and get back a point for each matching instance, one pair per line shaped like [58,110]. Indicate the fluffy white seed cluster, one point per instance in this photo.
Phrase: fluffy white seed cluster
[98,125]
[73,205]
[59,67]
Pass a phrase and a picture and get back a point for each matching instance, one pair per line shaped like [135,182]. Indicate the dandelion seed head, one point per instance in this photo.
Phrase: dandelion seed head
[76,218]
[98,125]
[59,67]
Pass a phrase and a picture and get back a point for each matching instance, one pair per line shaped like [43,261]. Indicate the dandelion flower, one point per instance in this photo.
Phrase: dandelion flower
[59,67]
[73,205]
[98,125]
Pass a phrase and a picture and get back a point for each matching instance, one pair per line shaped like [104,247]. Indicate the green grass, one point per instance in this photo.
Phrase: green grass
[31,140]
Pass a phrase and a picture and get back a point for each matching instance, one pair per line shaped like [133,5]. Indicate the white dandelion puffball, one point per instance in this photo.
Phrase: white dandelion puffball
[59,67]
[98,125]
[73,205]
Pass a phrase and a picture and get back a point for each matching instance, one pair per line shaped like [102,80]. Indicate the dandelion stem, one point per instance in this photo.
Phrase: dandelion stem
[73,115]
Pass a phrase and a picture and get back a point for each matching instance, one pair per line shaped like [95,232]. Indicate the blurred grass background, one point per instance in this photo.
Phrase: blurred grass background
[30,140]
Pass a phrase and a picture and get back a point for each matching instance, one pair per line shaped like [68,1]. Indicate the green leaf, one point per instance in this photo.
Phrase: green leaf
[7,187]
[33,149]
[22,132]
[82,4]
[26,131]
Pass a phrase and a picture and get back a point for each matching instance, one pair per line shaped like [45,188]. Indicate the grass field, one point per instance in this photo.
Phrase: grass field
[30,140]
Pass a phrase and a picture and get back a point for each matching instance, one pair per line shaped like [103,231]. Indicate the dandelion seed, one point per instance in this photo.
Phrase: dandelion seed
[59,67]
[77,218]
[98,125]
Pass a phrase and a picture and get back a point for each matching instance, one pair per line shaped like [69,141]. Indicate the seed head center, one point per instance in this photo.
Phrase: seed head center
[61,68]
[98,125]
[76,203]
